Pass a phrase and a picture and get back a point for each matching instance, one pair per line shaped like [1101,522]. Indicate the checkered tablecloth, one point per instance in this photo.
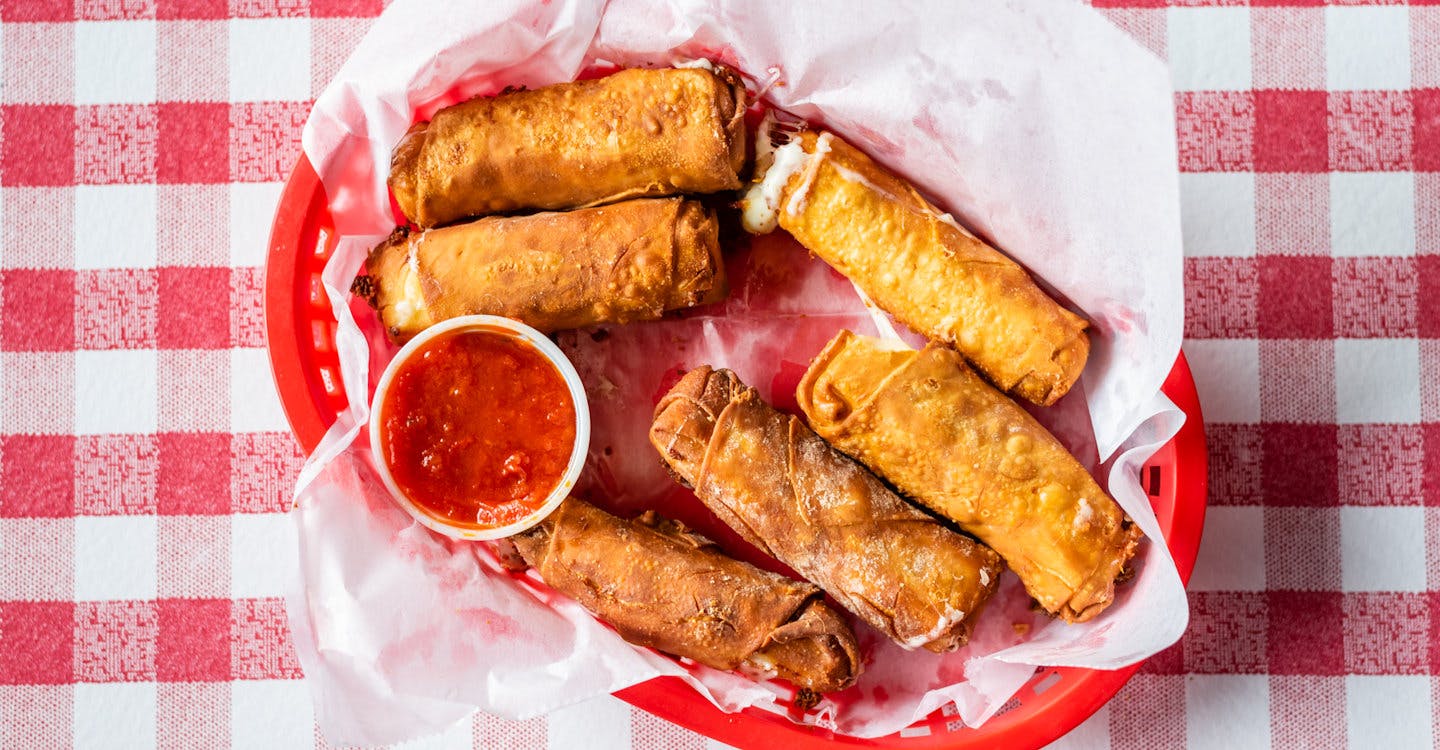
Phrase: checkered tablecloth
[145,463]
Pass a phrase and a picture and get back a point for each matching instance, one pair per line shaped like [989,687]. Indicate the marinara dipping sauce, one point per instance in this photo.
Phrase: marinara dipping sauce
[477,428]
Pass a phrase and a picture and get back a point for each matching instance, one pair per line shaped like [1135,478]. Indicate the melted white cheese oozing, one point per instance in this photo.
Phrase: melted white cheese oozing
[802,193]
[859,179]
[760,206]
[702,63]
[410,309]
[762,665]
[948,219]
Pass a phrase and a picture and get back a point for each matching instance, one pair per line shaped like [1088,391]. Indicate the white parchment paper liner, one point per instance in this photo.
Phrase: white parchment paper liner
[1037,124]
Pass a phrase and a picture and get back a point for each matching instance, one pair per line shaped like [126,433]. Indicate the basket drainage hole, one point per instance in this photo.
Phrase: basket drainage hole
[1150,480]
[1047,683]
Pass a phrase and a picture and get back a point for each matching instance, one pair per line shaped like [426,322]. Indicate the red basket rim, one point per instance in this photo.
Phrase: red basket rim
[299,331]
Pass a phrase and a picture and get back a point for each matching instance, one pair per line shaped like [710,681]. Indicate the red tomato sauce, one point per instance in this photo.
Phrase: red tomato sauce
[477,428]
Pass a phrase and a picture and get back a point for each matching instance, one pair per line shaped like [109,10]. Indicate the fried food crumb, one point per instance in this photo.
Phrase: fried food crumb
[806,699]
[364,288]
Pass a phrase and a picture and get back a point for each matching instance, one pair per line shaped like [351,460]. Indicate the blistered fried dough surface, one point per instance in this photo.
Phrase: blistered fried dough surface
[631,134]
[933,276]
[662,586]
[609,264]
[789,493]
[942,435]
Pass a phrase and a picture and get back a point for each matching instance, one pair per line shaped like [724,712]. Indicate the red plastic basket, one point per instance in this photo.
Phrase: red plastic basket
[300,337]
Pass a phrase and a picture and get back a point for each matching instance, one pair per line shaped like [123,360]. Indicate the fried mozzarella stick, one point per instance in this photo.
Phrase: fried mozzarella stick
[782,488]
[916,263]
[610,264]
[663,586]
[942,435]
[632,134]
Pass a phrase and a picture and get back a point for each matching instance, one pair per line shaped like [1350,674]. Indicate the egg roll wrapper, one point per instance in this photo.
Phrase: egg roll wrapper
[620,263]
[919,265]
[632,134]
[782,488]
[665,587]
[934,429]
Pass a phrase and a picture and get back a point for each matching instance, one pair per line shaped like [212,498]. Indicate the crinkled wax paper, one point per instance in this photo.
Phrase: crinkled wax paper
[1036,124]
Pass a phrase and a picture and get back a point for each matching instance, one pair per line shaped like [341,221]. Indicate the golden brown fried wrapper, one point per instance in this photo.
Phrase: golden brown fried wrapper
[632,134]
[942,435]
[663,586]
[610,264]
[916,263]
[790,494]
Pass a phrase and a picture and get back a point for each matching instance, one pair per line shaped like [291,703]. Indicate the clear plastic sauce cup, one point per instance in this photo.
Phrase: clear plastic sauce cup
[516,337]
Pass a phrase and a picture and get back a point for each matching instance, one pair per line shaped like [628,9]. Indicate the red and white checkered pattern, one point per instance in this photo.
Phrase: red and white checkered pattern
[144,462]
[1311,190]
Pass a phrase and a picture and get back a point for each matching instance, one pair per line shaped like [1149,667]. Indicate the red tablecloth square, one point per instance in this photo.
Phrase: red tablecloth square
[1290,134]
[39,310]
[37,476]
